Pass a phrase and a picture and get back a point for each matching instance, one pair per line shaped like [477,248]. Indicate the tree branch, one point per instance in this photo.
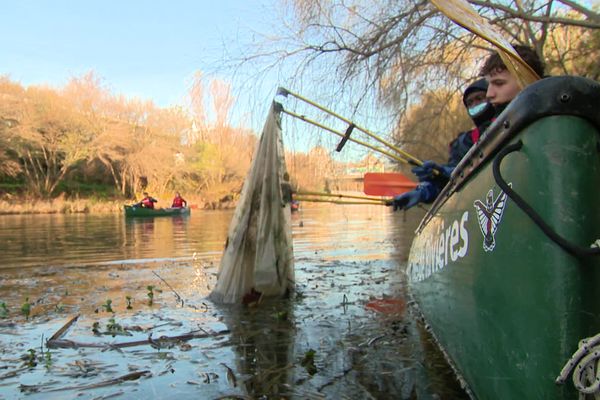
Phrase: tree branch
[593,24]
[585,11]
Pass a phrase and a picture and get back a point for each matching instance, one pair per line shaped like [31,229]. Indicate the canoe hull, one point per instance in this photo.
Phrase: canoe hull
[508,305]
[131,211]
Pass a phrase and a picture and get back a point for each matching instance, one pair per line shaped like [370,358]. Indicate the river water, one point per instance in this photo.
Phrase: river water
[346,333]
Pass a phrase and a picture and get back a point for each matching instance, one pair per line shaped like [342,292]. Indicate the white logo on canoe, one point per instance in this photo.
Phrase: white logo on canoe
[489,215]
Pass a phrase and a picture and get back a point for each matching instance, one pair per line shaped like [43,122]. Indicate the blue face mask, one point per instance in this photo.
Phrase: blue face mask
[476,110]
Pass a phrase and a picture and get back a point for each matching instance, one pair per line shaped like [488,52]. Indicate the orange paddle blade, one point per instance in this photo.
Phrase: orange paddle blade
[387,184]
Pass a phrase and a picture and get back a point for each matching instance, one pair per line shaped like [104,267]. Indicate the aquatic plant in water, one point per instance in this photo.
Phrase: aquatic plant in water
[48,359]
[107,306]
[308,362]
[150,294]
[281,316]
[30,358]
[96,328]
[26,308]
[113,327]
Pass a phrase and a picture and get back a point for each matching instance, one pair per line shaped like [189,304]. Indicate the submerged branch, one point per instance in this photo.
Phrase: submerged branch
[61,332]
[179,298]
[127,377]
[70,344]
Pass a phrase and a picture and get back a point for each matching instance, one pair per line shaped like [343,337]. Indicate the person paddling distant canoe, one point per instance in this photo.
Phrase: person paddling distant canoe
[178,201]
[147,201]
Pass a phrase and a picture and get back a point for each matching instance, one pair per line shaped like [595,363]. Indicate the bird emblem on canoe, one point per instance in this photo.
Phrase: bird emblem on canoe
[489,215]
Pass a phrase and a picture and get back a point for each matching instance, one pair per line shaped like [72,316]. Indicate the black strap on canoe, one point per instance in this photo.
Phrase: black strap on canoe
[342,142]
[571,248]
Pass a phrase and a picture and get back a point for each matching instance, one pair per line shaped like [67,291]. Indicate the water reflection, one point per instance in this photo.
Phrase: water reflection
[56,239]
[349,307]
[263,339]
[79,239]
[142,227]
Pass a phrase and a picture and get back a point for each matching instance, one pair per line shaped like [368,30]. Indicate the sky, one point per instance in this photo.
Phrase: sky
[144,49]
[151,49]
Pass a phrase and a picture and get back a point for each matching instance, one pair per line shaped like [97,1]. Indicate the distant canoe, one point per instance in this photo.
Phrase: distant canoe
[131,211]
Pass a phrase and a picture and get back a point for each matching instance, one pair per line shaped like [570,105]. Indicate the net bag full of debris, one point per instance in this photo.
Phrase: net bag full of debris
[258,257]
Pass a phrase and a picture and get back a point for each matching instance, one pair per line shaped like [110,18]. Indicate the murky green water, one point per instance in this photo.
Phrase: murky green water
[349,312]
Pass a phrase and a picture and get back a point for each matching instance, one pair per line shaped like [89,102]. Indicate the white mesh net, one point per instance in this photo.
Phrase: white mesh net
[258,256]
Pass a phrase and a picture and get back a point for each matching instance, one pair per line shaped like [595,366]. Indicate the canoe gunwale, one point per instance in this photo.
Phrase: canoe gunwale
[564,95]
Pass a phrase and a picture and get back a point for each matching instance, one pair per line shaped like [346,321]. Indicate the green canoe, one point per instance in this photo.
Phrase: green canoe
[131,211]
[504,267]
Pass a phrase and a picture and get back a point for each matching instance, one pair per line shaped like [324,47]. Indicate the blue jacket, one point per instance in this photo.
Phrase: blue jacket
[431,187]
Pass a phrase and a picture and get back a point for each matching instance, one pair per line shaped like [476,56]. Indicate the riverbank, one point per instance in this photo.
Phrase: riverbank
[61,205]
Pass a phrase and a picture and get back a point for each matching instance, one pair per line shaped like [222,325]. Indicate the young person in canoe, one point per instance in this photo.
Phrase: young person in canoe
[500,88]
[481,113]
[178,201]
[147,202]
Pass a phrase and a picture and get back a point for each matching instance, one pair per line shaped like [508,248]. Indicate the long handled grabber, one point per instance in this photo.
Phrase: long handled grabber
[400,155]
[317,197]
[337,198]
[347,138]
[352,126]
[385,185]
[351,202]
[337,195]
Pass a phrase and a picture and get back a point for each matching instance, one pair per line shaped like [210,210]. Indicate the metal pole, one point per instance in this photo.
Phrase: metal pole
[413,160]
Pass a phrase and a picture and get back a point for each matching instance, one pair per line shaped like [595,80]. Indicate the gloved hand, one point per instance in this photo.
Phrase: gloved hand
[425,171]
[426,192]
[407,200]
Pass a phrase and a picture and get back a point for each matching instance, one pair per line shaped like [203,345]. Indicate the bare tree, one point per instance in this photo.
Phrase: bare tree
[10,95]
[82,130]
[400,50]
[197,129]
[222,101]
[48,138]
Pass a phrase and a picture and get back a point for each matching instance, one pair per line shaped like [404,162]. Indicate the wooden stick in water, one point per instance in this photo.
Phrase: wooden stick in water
[70,344]
[61,332]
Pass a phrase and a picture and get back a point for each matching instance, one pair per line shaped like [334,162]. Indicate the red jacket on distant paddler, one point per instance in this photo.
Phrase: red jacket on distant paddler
[178,201]
[147,201]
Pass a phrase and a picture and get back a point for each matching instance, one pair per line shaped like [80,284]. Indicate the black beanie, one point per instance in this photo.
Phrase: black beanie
[483,118]
[478,85]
